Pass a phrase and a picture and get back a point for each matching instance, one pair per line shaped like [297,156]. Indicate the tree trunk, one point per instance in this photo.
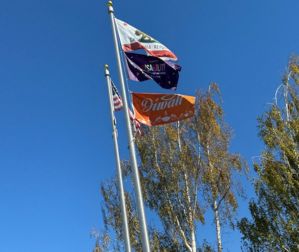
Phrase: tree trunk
[193,240]
[189,207]
[190,213]
[172,212]
[218,227]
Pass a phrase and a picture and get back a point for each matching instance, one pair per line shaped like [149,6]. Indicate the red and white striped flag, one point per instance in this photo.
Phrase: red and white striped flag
[117,101]
[137,125]
[118,105]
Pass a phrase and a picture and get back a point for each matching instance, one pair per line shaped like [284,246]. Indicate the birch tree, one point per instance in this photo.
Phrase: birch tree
[275,214]
[219,165]
[186,164]
[111,213]
[183,166]
[170,172]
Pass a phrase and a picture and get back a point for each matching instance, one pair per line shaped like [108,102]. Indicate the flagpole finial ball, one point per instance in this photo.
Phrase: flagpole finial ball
[106,70]
[110,3]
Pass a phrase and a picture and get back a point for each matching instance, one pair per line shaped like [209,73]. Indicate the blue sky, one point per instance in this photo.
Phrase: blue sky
[55,133]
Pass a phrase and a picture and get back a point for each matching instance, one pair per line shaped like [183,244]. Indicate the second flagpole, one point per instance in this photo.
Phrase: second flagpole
[117,159]
[140,207]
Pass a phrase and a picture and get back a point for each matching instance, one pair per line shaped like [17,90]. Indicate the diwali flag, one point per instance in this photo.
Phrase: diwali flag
[133,39]
[157,109]
[142,67]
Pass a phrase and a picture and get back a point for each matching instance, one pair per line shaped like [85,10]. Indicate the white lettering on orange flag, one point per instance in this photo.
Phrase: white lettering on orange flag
[157,109]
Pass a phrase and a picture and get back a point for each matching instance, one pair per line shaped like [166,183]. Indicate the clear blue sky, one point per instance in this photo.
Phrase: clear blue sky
[55,133]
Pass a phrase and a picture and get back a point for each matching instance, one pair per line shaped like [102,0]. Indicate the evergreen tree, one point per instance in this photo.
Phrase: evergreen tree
[275,213]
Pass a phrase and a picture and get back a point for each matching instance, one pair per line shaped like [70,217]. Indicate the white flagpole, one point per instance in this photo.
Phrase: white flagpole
[140,207]
[119,171]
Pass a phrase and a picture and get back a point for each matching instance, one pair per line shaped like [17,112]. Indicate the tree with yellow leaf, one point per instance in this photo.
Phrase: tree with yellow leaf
[275,213]
[219,165]
[183,167]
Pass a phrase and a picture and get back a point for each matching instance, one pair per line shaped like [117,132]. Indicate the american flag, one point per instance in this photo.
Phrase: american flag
[117,101]
[118,105]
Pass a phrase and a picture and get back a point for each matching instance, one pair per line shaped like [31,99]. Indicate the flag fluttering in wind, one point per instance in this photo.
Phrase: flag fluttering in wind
[157,109]
[133,39]
[117,102]
[137,126]
[118,105]
[142,67]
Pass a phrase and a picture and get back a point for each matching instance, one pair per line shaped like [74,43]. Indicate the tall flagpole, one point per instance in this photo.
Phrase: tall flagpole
[140,207]
[119,171]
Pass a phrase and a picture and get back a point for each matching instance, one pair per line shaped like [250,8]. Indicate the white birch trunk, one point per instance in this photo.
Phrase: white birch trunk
[190,214]
[178,224]
[189,208]
[218,227]
[216,211]
[193,240]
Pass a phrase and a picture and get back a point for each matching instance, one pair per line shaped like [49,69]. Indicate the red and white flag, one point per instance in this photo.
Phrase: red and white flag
[136,124]
[118,105]
[133,39]
[117,101]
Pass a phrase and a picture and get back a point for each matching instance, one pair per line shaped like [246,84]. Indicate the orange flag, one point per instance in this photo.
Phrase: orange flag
[156,109]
